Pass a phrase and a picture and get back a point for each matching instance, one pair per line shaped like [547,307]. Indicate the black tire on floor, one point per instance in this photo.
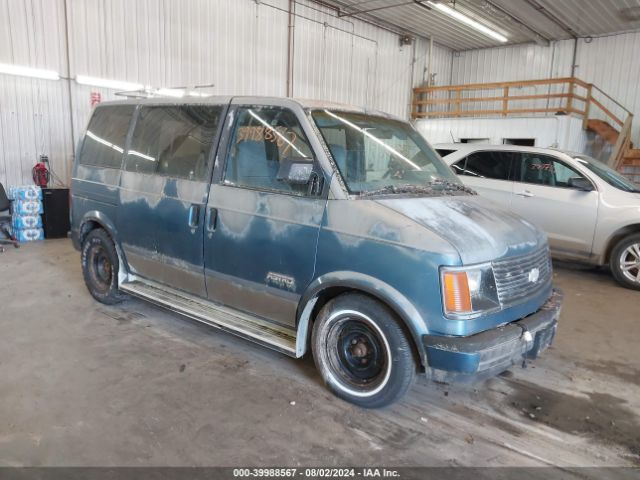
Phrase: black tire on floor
[100,267]
[362,351]
[625,262]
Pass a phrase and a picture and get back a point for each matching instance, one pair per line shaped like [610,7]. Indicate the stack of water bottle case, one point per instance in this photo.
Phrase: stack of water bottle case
[27,210]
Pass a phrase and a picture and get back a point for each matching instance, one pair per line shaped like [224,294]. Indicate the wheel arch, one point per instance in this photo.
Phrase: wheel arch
[618,235]
[329,286]
[96,219]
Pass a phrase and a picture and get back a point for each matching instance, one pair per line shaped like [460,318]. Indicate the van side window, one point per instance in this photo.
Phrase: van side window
[493,165]
[103,143]
[263,137]
[173,140]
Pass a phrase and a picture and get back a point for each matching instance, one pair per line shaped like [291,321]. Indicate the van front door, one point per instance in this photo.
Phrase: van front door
[163,193]
[261,230]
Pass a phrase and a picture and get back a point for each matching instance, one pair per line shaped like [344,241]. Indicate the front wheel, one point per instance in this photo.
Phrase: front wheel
[362,352]
[100,267]
[625,262]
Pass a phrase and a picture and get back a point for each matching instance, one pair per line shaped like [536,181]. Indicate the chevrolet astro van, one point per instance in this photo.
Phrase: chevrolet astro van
[307,226]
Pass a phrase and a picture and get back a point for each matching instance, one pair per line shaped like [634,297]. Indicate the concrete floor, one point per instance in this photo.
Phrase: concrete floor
[86,384]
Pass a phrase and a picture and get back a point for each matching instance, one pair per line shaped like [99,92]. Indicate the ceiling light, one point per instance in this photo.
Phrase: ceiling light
[106,83]
[28,72]
[468,21]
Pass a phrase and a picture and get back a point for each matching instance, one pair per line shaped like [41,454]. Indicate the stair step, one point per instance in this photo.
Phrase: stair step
[632,154]
[252,328]
[602,128]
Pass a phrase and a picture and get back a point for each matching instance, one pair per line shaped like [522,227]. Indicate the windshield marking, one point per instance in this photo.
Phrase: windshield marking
[261,120]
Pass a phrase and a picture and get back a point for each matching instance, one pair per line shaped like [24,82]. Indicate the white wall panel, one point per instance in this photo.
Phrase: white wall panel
[34,114]
[564,132]
[612,64]
[239,46]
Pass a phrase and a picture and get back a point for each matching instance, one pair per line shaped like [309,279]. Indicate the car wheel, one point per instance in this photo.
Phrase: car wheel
[625,262]
[100,267]
[362,352]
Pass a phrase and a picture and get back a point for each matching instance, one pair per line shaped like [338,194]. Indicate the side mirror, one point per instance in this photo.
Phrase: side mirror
[580,183]
[295,171]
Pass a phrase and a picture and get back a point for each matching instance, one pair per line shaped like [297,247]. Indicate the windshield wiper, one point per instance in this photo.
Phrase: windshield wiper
[448,188]
[454,186]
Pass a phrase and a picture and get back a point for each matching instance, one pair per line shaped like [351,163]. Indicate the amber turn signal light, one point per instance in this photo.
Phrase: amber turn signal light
[456,292]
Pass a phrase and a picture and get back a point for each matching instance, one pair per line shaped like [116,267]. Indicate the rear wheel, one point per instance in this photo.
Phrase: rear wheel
[362,352]
[625,262]
[100,267]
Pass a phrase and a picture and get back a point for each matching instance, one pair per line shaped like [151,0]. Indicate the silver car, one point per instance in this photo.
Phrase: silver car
[590,212]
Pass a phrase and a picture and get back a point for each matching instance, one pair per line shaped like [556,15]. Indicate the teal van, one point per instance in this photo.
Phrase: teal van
[308,226]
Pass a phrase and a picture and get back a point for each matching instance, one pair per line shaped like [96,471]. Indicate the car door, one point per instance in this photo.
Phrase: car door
[490,173]
[163,192]
[542,195]
[262,232]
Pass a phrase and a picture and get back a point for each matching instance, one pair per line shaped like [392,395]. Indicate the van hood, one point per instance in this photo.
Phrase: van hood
[478,229]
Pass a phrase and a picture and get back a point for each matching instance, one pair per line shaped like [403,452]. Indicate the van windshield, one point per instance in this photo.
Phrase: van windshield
[381,156]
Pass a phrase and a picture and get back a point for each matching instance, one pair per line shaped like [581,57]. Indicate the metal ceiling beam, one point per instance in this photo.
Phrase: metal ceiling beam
[538,37]
[385,7]
[338,6]
[544,11]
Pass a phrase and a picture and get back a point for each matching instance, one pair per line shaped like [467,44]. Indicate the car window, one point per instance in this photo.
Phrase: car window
[263,139]
[103,144]
[173,140]
[443,152]
[545,170]
[486,164]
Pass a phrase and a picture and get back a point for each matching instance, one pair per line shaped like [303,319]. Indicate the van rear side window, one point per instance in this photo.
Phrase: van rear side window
[174,141]
[103,144]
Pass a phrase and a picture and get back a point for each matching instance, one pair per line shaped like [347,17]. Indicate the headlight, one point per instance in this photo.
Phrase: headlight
[467,292]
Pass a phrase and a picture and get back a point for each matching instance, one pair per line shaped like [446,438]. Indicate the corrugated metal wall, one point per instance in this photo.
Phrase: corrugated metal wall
[608,62]
[34,114]
[611,63]
[239,46]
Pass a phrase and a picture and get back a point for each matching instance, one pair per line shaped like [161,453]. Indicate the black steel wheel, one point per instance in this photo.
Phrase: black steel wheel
[362,352]
[100,265]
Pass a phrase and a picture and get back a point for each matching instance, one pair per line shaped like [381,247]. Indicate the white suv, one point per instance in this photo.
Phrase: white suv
[590,212]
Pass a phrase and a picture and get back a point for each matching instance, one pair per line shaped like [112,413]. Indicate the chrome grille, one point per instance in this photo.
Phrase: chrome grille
[513,275]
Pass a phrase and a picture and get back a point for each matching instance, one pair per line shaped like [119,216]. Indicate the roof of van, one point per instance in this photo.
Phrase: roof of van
[221,99]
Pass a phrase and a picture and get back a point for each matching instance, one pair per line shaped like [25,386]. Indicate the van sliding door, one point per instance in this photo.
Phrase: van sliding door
[164,190]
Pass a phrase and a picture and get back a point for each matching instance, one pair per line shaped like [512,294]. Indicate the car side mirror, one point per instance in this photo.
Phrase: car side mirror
[295,171]
[580,183]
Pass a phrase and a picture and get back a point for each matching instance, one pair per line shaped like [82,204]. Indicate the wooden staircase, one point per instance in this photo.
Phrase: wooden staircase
[601,114]
[630,166]
[627,159]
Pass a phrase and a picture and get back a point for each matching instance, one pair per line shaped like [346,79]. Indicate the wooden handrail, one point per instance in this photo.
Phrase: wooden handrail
[424,98]
[495,85]
[452,102]
[435,101]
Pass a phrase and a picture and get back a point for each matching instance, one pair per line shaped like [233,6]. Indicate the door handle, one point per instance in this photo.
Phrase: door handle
[194,215]
[526,194]
[212,220]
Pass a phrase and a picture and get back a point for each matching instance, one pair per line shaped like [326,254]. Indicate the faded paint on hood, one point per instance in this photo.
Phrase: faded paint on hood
[480,230]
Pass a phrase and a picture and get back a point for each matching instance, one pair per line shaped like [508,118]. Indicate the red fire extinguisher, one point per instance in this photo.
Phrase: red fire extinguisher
[41,173]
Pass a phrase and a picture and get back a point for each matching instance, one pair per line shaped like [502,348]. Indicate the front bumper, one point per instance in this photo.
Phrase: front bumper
[493,351]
